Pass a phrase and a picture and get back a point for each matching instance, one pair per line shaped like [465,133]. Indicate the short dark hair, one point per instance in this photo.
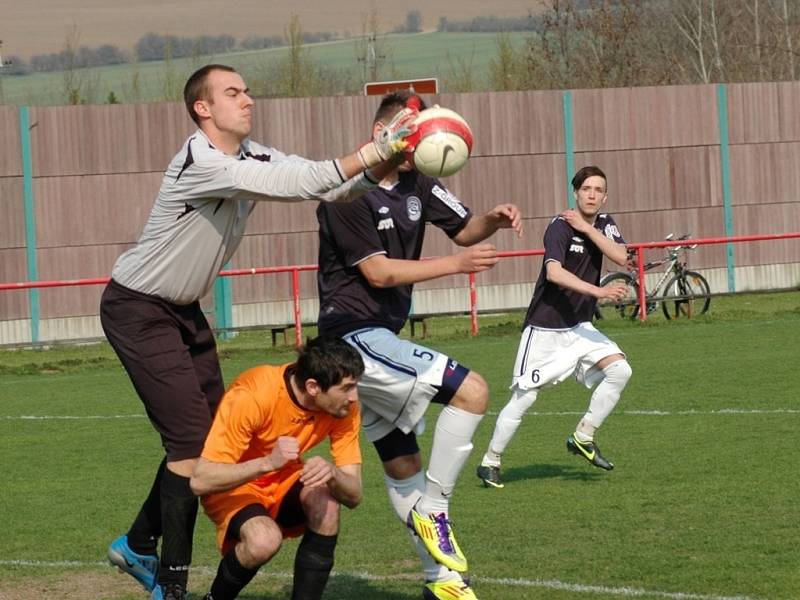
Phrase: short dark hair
[584,174]
[197,87]
[328,359]
[393,102]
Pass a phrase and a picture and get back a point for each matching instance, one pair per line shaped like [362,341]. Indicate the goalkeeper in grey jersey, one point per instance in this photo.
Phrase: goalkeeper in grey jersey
[150,310]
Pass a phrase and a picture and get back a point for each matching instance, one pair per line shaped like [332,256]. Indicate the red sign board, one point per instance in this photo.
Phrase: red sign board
[420,86]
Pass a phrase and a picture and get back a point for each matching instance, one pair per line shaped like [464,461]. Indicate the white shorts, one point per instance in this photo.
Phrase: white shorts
[549,356]
[400,379]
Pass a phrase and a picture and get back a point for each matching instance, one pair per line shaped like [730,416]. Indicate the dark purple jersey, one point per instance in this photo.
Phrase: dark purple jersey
[554,307]
[383,221]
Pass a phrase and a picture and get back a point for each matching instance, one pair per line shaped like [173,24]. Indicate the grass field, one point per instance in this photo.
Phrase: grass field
[702,504]
[406,57]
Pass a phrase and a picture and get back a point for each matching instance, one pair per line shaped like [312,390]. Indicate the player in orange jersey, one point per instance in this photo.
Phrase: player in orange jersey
[255,484]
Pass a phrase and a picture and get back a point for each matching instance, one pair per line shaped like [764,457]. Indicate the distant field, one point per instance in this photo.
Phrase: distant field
[40,26]
[407,56]
[702,504]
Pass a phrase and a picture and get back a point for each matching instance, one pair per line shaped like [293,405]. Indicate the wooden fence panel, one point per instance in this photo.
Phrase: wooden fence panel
[94,140]
[10,157]
[13,267]
[97,170]
[645,117]
[764,112]
[12,213]
[766,174]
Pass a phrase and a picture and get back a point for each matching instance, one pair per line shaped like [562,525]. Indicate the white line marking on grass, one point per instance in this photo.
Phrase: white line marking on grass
[68,417]
[669,413]
[626,592]
[637,413]
[552,584]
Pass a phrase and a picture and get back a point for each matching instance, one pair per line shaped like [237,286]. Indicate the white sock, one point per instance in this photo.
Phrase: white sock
[403,495]
[452,443]
[507,423]
[607,393]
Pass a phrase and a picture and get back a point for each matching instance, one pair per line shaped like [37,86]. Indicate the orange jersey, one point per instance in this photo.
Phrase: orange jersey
[257,409]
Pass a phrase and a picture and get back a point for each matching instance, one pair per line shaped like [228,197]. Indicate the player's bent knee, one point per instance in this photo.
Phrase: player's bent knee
[472,395]
[261,539]
[404,466]
[619,371]
[322,510]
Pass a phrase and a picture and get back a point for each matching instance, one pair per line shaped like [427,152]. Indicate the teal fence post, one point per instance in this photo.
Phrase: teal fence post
[725,166]
[569,147]
[30,219]
[223,305]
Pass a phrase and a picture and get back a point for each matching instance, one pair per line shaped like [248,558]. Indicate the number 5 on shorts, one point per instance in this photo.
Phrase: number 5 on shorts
[424,354]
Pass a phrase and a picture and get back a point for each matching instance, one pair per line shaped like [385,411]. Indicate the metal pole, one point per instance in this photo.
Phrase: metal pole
[642,291]
[298,325]
[473,305]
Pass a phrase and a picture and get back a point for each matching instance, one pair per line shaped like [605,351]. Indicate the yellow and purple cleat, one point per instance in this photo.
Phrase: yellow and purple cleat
[437,535]
[448,590]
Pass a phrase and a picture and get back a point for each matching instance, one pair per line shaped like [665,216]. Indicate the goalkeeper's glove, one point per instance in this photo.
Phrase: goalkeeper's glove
[390,140]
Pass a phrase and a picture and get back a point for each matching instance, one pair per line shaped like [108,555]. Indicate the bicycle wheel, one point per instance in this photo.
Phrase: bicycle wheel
[686,295]
[628,308]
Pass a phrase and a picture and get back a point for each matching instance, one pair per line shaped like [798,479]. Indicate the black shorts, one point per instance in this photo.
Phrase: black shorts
[170,355]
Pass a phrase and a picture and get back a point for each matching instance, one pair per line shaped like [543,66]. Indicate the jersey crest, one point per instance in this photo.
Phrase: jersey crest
[414,208]
[611,231]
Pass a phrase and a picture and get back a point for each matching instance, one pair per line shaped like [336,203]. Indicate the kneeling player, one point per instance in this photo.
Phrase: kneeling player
[254,483]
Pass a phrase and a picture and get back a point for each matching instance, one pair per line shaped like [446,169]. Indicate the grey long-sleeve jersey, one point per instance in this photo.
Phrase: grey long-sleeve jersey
[201,211]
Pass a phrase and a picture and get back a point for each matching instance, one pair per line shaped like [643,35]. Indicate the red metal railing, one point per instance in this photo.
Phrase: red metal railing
[473,292]
[640,247]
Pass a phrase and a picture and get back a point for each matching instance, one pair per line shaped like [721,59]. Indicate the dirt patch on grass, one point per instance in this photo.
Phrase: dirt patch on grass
[71,586]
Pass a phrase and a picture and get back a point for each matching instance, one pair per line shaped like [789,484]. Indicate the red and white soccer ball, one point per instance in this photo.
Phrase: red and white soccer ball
[442,142]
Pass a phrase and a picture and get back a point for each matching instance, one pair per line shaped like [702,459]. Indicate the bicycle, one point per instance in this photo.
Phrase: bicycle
[686,294]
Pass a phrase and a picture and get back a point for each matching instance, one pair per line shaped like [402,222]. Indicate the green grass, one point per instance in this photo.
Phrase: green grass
[702,502]
[407,56]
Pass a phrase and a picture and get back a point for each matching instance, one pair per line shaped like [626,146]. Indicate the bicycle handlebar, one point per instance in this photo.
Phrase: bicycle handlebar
[672,252]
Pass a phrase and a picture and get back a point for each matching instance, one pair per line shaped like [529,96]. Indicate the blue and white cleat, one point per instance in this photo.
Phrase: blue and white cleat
[142,567]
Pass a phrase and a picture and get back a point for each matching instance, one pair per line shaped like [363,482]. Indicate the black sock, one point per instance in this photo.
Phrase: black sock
[178,515]
[231,577]
[146,529]
[312,565]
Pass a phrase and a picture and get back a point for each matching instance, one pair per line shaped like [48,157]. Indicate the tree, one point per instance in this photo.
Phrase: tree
[598,45]
[412,24]
[371,48]
[78,85]
[296,73]
[505,70]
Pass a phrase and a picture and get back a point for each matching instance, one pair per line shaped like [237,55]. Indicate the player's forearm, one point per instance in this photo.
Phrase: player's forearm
[351,166]
[383,272]
[347,489]
[212,477]
[611,249]
[476,230]
[559,276]
[293,179]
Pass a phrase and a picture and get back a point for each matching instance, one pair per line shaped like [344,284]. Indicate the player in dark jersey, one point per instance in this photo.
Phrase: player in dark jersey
[559,340]
[150,310]
[369,261]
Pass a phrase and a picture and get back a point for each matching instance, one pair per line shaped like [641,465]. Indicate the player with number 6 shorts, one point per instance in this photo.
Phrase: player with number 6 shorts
[559,340]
